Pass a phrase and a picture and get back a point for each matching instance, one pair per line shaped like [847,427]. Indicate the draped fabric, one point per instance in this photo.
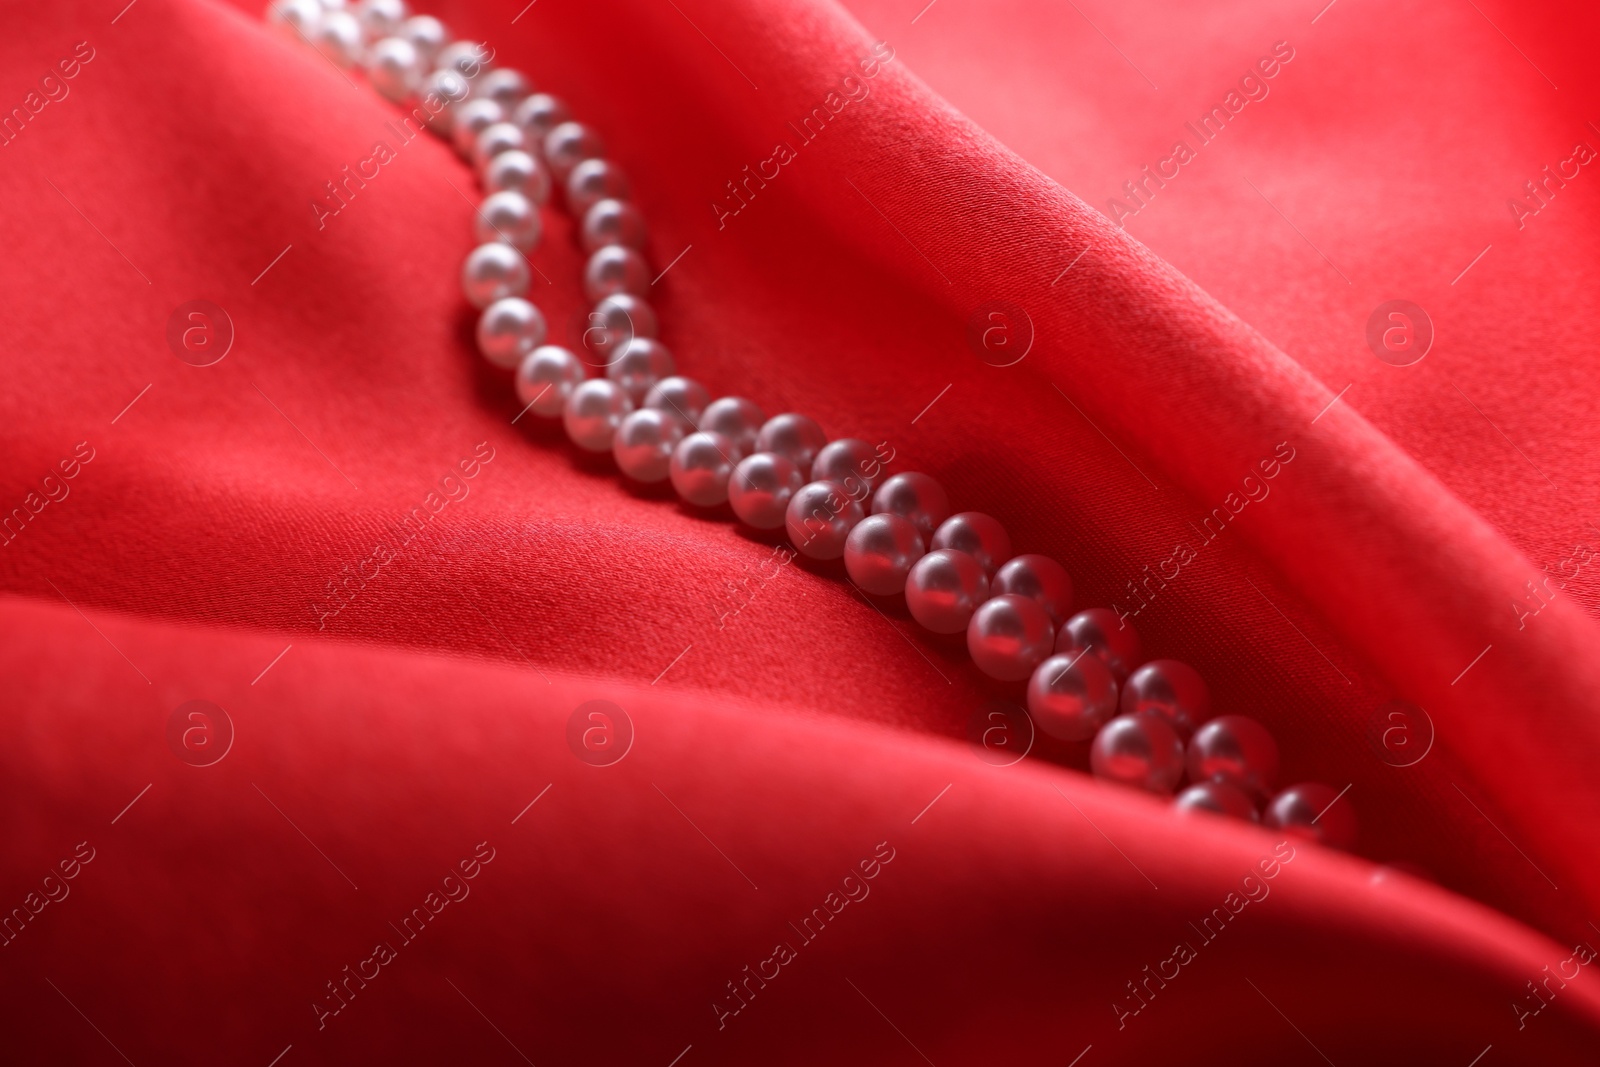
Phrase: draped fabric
[1098,268]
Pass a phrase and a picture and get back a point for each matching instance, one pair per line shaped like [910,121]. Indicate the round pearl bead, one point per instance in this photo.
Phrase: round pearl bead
[538,115]
[1308,810]
[509,217]
[441,90]
[472,118]
[614,322]
[1173,690]
[394,68]
[497,138]
[381,18]
[427,35]
[508,330]
[1036,577]
[570,144]
[592,181]
[466,58]
[1138,750]
[761,487]
[980,537]
[505,87]
[913,496]
[615,269]
[612,222]
[1236,750]
[593,412]
[515,171]
[546,378]
[880,551]
[683,397]
[639,366]
[792,435]
[644,444]
[338,36]
[701,466]
[1103,633]
[1219,798]
[944,588]
[851,462]
[1009,636]
[820,518]
[1071,697]
[735,418]
[295,19]
[493,272]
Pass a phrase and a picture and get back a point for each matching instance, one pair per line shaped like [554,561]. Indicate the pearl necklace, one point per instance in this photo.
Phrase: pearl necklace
[1149,724]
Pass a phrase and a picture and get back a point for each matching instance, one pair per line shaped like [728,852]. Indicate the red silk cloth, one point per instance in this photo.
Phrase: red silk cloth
[802,858]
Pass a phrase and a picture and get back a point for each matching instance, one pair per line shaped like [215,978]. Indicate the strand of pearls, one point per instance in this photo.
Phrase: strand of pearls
[1149,723]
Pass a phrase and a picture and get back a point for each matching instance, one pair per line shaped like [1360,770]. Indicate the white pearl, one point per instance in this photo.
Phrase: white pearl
[538,115]
[851,462]
[793,435]
[761,487]
[820,518]
[1009,636]
[639,366]
[701,466]
[427,35]
[593,412]
[645,442]
[978,535]
[508,330]
[509,217]
[592,181]
[944,588]
[546,378]
[517,172]
[568,145]
[466,58]
[1039,577]
[683,397]
[913,496]
[440,92]
[737,419]
[496,138]
[394,68]
[613,222]
[338,37]
[614,322]
[880,551]
[1071,697]
[492,272]
[505,87]
[615,269]
[381,18]
[1142,751]
[295,19]
[471,119]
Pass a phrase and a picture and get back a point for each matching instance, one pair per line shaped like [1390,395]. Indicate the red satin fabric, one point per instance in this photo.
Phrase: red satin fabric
[788,733]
